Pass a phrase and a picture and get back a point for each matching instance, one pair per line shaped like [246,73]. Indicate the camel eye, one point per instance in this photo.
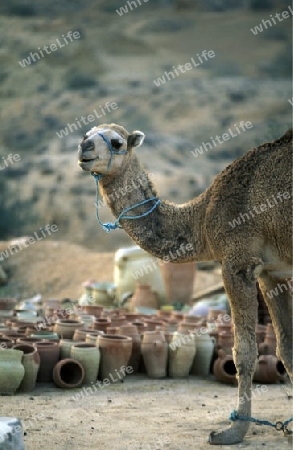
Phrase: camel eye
[116,144]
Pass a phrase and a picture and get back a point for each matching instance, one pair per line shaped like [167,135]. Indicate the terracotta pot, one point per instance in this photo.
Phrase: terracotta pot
[91,338]
[66,327]
[87,319]
[80,335]
[164,314]
[12,371]
[225,341]
[94,310]
[68,374]
[205,346]
[269,370]
[13,336]
[185,327]
[132,332]
[31,363]
[102,324]
[48,335]
[179,279]
[28,340]
[49,352]
[89,356]
[224,368]
[269,345]
[171,325]
[178,315]
[131,317]
[118,321]
[61,314]
[144,297]
[141,326]
[113,330]
[153,323]
[115,354]
[154,349]
[7,304]
[53,303]
[65,347]
[6,342]
[182,355]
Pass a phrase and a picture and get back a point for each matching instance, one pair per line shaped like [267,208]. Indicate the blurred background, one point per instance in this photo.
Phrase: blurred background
[116,59]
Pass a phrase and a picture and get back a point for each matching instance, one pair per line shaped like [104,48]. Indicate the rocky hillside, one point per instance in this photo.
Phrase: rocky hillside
[126,58]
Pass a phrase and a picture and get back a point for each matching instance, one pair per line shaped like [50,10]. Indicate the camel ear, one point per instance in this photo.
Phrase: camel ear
[135,139]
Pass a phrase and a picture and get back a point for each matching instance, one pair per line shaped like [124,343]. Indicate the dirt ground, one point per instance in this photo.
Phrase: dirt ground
[144,414]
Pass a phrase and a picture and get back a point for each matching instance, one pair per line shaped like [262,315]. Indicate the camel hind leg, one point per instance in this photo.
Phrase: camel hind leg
[278,297]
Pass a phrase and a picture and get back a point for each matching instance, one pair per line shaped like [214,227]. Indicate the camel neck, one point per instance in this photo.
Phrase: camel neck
[169,231]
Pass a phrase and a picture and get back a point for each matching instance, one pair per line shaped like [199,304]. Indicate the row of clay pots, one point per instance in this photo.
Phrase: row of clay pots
[268,369]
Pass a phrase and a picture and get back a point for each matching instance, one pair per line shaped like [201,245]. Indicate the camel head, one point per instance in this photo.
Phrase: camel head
[104,148]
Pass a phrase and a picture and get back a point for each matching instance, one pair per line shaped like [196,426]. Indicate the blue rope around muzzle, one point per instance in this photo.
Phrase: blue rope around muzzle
[109,226]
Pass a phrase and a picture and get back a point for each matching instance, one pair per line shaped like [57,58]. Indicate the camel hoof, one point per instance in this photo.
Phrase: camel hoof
[226,437]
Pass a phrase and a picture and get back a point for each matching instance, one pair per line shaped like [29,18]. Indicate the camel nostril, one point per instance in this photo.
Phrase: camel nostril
[87,145]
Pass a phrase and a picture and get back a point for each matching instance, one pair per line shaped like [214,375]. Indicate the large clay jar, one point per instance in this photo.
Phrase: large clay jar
[225,341]
[115,355]
[31,363]
[80,335]
[132,332]
[224,368]
[68,374]
[269,370]
[66,327]
[102,324]
[49,356]
[89,356]
[144,297]
[154,350]
[48,335]
[118,321]
[201,364]
[268,346]
[65,347]
[94,310]
[179,279]
[153,323]
[6,342]
[11,371]
[181,355]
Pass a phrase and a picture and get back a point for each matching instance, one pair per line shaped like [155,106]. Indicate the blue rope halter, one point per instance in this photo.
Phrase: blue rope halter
[108,226]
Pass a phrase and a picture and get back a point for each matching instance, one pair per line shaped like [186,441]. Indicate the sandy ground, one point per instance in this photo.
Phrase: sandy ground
[144,414]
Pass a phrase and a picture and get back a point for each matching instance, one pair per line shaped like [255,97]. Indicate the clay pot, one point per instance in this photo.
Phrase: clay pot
[7,304]
[269,370]
[93,310]
[91,338]
[132,332]
[178,315]
[48,335]
[6,342]
[113,330]
[144,297]
[205,346]
[31,363]
[12,371]
[53,303]
[89,356]
[182,355]
[68,374]
[65,347]
[49,352]
[171,325]
[154,350]
[153,323]
[224,368]
[185,327]
[102,324]
[164,314]
[80,335]
[225,341]
[87,319]
[66,327]
[269,345]
[141,326]
[179,279]
[115,354]
[260,333]
[131,317]
[13,336]
[28,340]
[61,314]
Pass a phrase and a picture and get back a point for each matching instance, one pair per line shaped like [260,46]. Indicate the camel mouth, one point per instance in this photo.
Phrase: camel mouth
[86,164]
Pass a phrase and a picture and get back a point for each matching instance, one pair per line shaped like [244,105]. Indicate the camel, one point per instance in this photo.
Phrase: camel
[255,190]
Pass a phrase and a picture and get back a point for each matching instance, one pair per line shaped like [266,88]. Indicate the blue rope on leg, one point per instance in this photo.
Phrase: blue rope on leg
[280,426]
